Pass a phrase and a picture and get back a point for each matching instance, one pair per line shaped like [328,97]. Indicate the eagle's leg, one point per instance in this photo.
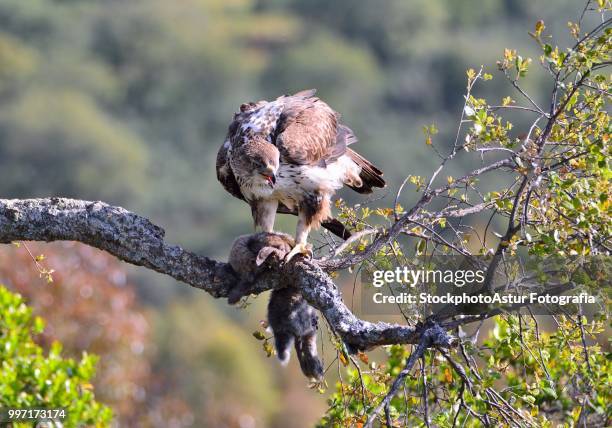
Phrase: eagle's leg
[264,213]
[301,238]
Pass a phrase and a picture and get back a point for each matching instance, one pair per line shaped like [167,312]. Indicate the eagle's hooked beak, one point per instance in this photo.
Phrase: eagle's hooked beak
[270,177]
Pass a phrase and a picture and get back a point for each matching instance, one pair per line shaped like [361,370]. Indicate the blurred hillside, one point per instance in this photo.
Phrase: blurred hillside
[128,101]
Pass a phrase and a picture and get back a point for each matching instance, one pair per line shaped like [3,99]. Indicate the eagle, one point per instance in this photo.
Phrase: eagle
[290,156]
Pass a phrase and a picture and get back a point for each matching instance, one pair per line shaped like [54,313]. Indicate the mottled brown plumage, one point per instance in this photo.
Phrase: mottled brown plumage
[291,155]
[306,132]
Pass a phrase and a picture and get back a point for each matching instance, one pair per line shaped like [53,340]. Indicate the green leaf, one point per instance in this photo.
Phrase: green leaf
[550,392]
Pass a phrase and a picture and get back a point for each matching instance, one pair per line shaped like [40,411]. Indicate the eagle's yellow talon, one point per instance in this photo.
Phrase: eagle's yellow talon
[304,249]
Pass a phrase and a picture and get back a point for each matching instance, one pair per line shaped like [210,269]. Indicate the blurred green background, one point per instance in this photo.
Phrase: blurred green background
[128,101]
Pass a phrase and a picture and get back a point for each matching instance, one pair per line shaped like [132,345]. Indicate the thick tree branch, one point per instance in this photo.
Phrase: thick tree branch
[136,240]
[125,235]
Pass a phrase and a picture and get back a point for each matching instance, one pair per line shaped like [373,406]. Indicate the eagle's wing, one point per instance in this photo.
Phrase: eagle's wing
[307,132]
[225,175]
[306,93]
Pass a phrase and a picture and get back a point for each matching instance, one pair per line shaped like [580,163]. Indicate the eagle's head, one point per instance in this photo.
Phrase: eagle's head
[256,162]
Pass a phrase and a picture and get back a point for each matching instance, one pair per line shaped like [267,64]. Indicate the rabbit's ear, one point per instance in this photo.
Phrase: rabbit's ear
[263,255]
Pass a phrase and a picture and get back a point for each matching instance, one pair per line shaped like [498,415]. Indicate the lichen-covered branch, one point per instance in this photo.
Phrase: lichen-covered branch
[136,240]
[125,235]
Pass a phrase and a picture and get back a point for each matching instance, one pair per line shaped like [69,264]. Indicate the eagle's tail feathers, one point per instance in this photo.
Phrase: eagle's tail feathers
[370,175]
[336,227]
